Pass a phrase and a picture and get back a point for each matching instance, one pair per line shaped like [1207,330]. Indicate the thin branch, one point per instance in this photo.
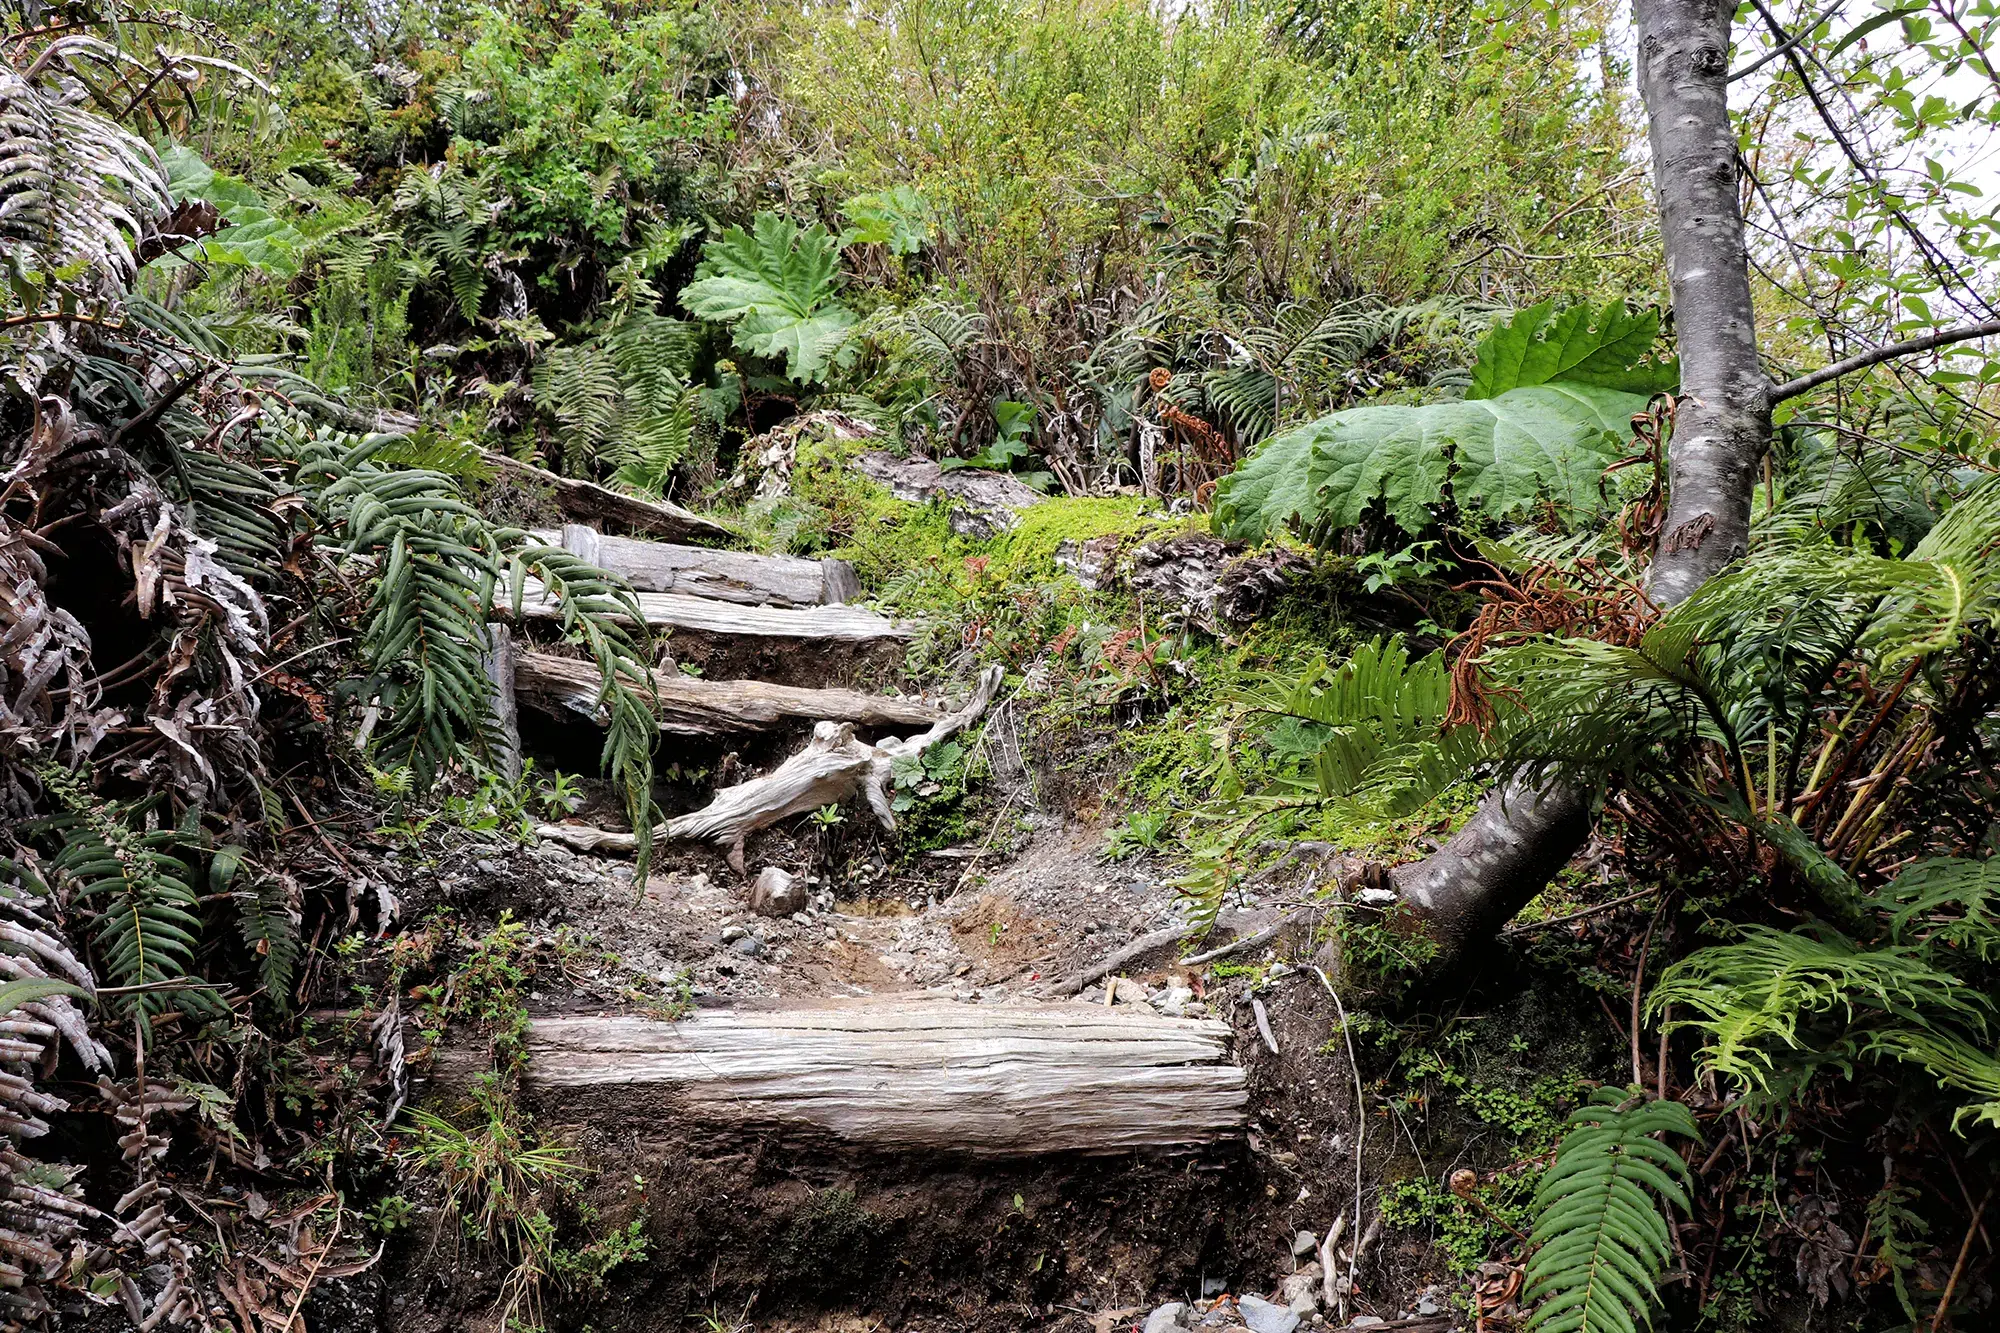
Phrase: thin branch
[1876,355]
[1786,48]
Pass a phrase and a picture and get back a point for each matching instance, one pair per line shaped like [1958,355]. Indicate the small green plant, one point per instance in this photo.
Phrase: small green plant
[390,1214]
[559,794]
[495,1179]
[1393,569]
[1143,830]
[1013,436]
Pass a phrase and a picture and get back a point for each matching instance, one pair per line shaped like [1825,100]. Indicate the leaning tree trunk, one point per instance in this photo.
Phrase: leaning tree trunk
[1525,831]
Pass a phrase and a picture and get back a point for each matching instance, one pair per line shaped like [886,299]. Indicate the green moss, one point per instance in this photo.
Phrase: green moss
[1029,550]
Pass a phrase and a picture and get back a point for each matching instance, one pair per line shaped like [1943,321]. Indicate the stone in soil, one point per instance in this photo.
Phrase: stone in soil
[776,893]
[1169,1318]
[1301,1291]
[1264,1316]
[749,946]
[1305,1242]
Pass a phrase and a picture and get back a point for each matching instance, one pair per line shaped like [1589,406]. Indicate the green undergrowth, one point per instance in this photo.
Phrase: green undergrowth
[1484,1093]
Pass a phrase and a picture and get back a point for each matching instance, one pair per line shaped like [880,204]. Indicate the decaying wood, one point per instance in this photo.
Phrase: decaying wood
[587,502]
[499,660]
[689,706]
[672,610]
[700,571]
[982,504]
[833,767]
[928,1074]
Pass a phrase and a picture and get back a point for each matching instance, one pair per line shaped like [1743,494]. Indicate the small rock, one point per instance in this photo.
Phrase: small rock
[1174,1002]
[1265,1317]
[485,867]
[731,934]
[1213,1286]
[1367,1321]
[1301,1291]
[776,893]
[1428,1303]
[1305,1242]
[749,946]
[1169,1318]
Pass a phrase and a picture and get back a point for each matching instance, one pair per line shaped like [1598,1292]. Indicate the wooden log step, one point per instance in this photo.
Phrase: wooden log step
[693,707]
[729,576]
[587,502]
[1012,1080]
[673,610]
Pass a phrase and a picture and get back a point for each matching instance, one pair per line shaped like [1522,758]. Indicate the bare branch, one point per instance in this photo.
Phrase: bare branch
[1876,355]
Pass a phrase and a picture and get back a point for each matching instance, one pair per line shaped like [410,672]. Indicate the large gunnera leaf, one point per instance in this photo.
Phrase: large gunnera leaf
[1550,408]
[775,286]
[255,238]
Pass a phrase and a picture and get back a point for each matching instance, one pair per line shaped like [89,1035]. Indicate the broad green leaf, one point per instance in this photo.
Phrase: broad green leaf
[1268,489]
[255,238]
[898,218]
[1607,348]
[776,286]
[1550,408]
[1548,441]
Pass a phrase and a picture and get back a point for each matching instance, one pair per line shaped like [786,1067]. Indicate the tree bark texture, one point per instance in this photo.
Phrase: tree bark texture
[1526,830]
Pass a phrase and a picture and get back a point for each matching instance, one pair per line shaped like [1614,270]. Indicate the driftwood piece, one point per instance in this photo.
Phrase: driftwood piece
[689,706]
[833,767]
[728,576]
[587,502]
[926,1073]
[983,504]
[672,610]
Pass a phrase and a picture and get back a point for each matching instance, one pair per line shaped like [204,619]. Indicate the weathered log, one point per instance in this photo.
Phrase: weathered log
[499,659]
[689,706]
[833,767]
[729,576]
[982,504]
[924,1074]
[587,502]
[672,610]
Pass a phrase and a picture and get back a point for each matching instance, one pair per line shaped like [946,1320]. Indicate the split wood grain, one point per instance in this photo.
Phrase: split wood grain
[689,706]
[931,1074]
[698,571]
[672,610]
[587,502]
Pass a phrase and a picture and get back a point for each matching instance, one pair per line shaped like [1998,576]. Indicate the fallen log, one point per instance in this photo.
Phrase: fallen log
[987,1080]
[587,502]
[981,504]
[689,706]
[833,767]
[728,576]
[672,610]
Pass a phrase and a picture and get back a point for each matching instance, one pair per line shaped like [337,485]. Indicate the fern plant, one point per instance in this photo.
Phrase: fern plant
[1600,1241]
[146,920]
[441,570]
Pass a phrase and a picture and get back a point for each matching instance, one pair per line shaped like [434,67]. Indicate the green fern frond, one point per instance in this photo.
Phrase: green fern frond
[264,918]
[1751,999]
[579,386]
[1600,1240]
[146,919]
[1949,902]
[596,608]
